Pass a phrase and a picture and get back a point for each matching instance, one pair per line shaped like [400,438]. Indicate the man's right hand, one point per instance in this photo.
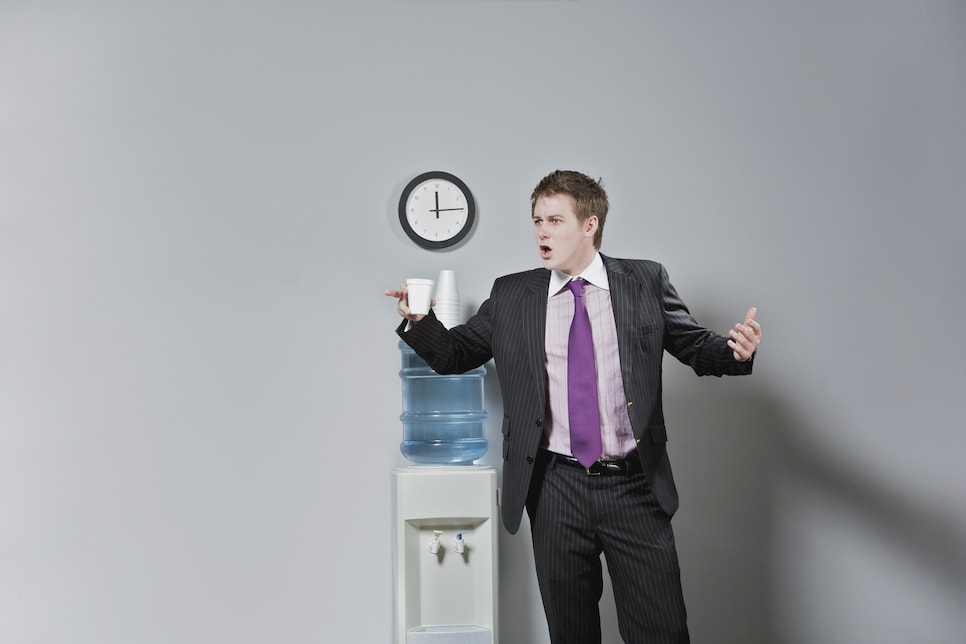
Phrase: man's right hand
[402,303]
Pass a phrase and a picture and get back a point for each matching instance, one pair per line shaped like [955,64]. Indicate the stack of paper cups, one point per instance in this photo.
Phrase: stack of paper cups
[447,307]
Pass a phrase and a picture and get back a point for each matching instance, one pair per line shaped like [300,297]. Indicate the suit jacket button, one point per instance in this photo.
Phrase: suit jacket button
[529,460]
[539,422]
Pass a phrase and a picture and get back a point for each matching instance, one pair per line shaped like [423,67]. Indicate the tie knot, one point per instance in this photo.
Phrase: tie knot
[577,286]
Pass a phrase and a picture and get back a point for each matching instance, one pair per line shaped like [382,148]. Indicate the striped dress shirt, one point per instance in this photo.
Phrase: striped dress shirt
[617,437]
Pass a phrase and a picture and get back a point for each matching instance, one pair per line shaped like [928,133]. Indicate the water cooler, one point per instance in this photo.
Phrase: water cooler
[446,532]
[445,516]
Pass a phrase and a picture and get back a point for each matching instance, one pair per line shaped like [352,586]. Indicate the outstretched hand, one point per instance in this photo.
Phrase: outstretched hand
[402,305]
[746,337]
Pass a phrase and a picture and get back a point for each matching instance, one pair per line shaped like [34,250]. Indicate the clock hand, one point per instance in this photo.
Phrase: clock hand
[438,210]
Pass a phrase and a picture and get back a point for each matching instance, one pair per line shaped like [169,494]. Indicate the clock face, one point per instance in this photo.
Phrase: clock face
[436,210]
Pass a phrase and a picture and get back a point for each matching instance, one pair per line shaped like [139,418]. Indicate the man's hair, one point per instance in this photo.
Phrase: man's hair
[588,195]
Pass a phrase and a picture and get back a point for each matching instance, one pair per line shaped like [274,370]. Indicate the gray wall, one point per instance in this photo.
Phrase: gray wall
[199,396]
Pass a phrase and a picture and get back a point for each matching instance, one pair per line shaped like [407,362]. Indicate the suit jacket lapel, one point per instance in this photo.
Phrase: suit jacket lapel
[624,298]
[533,321]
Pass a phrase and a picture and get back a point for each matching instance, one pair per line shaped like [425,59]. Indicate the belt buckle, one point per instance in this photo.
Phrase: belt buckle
[589,473]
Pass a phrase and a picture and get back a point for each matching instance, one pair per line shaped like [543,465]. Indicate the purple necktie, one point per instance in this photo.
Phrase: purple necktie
[582,384]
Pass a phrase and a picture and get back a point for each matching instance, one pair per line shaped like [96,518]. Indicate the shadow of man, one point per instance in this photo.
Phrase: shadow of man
[750,473]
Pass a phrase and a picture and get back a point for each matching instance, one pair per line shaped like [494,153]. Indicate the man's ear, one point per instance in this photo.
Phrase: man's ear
[590,226]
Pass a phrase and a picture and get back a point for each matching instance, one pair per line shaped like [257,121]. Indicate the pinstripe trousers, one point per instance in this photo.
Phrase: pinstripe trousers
[573,519]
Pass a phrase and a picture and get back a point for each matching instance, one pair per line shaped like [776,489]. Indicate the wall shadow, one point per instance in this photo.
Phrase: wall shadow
[735,448]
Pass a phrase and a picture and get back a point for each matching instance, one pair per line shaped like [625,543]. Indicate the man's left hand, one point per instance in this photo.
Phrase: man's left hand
[746,337]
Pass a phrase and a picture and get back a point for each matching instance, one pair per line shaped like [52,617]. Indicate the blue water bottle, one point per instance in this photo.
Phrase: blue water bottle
[443,419]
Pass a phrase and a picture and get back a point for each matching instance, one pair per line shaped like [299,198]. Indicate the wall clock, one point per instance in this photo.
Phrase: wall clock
[436,210]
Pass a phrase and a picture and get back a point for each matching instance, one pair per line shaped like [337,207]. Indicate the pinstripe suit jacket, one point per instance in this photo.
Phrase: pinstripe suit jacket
[510,328]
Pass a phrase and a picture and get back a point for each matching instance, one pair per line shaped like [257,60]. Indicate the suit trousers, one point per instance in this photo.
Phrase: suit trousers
[574,517]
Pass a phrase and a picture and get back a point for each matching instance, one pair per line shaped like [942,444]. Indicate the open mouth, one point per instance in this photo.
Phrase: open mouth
[544,250]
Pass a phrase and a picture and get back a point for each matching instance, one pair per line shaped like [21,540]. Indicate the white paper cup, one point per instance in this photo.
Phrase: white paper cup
[446,285]
[420,295]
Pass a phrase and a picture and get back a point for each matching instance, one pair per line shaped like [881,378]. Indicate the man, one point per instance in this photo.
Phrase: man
[609,490]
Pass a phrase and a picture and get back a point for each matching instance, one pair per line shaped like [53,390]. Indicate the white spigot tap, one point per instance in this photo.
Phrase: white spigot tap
[459,544]
[434,542]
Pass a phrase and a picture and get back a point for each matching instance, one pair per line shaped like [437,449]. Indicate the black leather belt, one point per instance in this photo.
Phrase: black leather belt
[627,467]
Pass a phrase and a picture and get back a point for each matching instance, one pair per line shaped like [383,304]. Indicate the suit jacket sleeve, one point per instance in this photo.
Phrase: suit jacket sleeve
[455,350]
[705,351]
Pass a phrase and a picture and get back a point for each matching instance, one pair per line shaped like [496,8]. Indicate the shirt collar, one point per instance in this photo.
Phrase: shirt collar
[595,273]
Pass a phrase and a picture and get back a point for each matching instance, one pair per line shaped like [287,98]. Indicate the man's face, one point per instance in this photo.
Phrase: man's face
[563,242]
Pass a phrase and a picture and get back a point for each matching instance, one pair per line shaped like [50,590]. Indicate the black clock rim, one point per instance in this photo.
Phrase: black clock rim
[470,210]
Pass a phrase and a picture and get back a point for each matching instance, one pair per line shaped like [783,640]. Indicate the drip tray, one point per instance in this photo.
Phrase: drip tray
[450,634]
